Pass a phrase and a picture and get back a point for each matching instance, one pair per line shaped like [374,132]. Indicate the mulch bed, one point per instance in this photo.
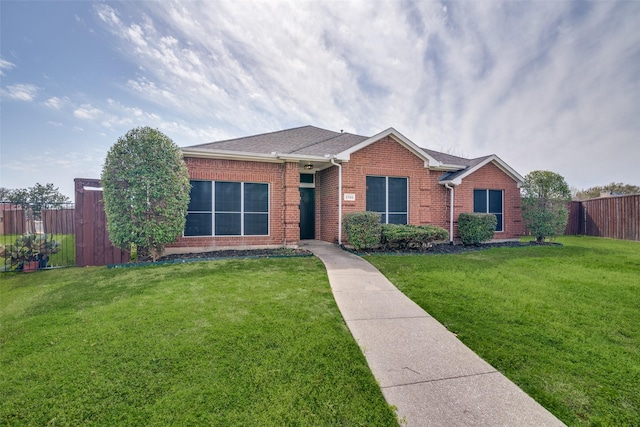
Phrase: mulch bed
[446,248]
[439,248]
[240,253]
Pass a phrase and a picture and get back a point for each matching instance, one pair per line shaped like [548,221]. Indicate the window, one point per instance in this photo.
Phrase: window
[199,210]
[388,196]
[306,178]
[489,201]
[228,209]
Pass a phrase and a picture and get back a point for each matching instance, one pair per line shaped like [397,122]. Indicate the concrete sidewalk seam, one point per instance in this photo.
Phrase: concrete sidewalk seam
[439,379]
[390,318]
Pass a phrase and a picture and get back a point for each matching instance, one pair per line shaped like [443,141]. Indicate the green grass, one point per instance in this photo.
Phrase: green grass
[561,322]
[67,255]
[239,342]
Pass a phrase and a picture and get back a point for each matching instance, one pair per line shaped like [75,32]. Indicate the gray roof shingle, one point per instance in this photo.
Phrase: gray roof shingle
[305,140]
[314,141]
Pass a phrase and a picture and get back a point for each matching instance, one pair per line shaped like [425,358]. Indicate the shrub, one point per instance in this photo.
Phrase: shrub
[402,237]
[362,229]
[545,196]
[146,191]
[475,228]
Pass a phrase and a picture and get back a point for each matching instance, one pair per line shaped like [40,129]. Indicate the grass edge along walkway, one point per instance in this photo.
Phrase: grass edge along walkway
[562,322]
[237,342]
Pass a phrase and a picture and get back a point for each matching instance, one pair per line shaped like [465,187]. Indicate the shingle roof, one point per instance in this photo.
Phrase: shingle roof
[469,163]
[305,140]
[315,142]
[447,159]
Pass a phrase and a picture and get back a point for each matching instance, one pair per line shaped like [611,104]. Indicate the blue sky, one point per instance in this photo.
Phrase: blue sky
[544,85]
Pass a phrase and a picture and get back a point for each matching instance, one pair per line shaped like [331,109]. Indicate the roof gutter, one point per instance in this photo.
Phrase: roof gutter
[229,155]
[333,161]
[274,157]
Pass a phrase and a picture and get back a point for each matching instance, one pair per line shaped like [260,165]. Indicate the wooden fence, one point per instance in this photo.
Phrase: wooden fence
[615,217]
[13,220]
[93,246]
[57,221]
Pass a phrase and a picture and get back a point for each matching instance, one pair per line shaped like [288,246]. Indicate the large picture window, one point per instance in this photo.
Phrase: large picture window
[221,208]
[388,196]
[489,201]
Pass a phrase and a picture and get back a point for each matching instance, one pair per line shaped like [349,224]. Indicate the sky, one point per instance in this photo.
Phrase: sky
[545,85]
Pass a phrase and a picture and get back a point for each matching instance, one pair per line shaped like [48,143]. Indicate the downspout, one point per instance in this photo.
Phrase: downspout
[333,161]
[450,214]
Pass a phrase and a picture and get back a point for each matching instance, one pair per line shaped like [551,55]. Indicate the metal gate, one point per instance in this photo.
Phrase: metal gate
[36,235]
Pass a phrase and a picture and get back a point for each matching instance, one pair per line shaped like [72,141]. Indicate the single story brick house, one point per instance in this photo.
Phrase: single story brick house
[275,189]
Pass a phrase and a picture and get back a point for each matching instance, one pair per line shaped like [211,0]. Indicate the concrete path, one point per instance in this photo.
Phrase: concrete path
[422,368]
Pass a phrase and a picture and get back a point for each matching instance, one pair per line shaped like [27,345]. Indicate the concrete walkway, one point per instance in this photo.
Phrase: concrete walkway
[422,368]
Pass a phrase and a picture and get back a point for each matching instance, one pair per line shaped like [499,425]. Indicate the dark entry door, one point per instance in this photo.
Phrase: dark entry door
[307,213]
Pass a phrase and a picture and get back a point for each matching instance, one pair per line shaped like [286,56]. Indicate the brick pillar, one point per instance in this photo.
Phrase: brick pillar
[291,204]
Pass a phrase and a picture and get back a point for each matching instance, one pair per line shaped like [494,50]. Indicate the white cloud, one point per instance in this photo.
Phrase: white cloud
[56,103]
[5,65]
[544,85]
[22,91]
[107,14]
[87,112]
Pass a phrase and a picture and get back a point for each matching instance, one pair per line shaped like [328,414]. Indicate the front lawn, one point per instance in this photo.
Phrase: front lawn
[562,322]
[239,342]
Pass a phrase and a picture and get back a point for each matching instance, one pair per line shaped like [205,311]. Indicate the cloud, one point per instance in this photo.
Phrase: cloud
[544,85]
[56,103]
[87,112]
[22,91]
[5,65]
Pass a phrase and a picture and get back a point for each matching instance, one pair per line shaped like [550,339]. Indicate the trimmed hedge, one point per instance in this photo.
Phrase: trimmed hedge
[475,228]
[362,229]
[402,237]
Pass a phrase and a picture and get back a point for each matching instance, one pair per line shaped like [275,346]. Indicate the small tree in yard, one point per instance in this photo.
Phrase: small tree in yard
[146,191]
[545,196]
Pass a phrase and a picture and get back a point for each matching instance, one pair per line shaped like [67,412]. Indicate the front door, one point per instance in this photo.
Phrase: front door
[307,213]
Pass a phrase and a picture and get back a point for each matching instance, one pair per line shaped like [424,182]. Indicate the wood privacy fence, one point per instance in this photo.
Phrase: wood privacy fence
[17,219]
[616,217]
[13,220]
[93,246]
[58,221]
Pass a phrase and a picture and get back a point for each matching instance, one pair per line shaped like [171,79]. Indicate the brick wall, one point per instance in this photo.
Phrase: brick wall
[327,204]
[490,177]
[383,158]
[284,213]
[388,158]
[428,200]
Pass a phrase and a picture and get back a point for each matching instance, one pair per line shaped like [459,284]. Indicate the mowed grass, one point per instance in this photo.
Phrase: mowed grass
[561,322]
[238,342]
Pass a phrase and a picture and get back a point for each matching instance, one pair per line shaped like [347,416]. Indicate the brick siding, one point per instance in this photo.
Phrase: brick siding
[428,200]
[284,199]
[491,177]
